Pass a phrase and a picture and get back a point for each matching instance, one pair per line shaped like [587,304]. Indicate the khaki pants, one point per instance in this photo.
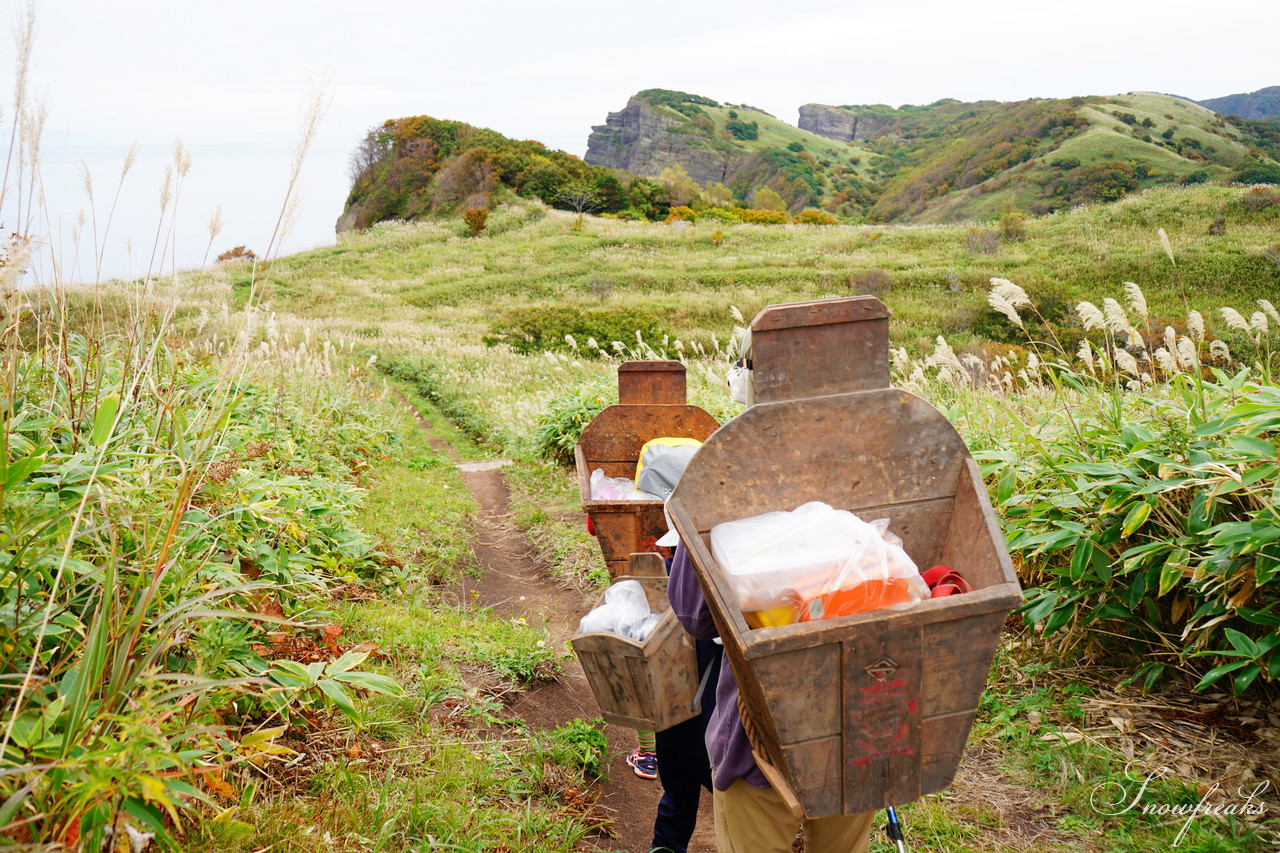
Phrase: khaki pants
[755,820]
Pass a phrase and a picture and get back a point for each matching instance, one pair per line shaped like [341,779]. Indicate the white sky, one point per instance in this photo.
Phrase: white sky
[229,79]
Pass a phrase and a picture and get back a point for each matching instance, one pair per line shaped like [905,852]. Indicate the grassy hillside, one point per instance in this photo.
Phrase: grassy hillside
[944,162]
[422,166]
[264,412]
[762,151]
[933,276]
[949,160]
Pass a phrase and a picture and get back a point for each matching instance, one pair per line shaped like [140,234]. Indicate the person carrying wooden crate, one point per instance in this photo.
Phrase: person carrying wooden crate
[750,815]
[834,711]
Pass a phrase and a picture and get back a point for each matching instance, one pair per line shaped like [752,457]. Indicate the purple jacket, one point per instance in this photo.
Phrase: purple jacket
[727,744]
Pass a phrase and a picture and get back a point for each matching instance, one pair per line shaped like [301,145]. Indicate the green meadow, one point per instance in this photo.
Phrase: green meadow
[210,482]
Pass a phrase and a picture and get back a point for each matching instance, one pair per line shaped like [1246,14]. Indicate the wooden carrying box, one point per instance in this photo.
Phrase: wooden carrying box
[651,404]
[858,712]
[649,685]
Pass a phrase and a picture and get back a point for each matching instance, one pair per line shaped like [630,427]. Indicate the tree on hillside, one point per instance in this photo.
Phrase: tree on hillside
[581,197]
[682,190]
[717,195]
[375,146]
[766,199]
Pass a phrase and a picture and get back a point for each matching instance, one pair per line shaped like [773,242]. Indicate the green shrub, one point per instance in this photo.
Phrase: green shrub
[1257,172]
[1144,512]
[722,214]
[579,743]
[743,129]
[1013,225]
[560,426]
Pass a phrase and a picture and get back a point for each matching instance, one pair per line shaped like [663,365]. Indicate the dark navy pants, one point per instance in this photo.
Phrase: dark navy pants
[683,767]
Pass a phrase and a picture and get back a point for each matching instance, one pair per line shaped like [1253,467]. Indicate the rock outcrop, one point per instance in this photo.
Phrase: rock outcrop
[644,140]
[841,125]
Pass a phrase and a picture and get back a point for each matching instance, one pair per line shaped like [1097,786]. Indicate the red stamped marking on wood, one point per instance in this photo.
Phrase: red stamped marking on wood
[879,721]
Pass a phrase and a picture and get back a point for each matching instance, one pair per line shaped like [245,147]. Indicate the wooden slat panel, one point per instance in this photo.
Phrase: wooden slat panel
[650,565]
[793,345]
[814,775]
[974,543]
[942,741]
[882,713]
[959,650]
[798,688]
[651,383]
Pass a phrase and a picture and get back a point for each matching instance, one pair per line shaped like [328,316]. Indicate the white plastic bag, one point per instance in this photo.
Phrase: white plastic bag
[625,612]
[814,562]
[616,489]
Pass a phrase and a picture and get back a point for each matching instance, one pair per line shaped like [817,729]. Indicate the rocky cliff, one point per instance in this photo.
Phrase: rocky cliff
[644,140]
[840,124]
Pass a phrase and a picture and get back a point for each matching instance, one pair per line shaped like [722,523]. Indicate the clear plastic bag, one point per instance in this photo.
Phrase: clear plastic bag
[625,612]
[814,562]
[616,489]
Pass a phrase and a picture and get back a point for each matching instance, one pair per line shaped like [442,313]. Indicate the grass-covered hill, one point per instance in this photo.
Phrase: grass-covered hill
[944,162]
[421,166]
[734,147]
[950,160]
[614,277]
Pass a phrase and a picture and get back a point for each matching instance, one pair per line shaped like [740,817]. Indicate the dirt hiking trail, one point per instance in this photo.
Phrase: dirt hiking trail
[514,584]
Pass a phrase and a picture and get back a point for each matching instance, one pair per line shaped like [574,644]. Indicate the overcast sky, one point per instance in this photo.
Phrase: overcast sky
[230,78]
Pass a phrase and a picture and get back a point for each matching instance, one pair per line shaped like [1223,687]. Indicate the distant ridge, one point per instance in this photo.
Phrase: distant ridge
[1262,104]
[942,162]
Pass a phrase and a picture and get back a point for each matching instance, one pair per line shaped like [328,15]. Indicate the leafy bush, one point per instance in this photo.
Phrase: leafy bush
[763,217]
[1260,198]
[740,129]
[722,214]
[134,532]
[542,328]
[1013,225]
[872,282]
[984,240]
[814,217]
[1144,509]
[239,253]
[682,212]
[560,426]
[1108,181]
[475,218]
[582,744]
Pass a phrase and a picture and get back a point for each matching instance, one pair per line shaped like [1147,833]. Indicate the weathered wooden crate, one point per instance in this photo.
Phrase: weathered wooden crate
[651,404]
[873,709]
[649,685]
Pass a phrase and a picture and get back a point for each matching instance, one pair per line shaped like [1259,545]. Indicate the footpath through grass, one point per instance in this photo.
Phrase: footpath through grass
[444,766]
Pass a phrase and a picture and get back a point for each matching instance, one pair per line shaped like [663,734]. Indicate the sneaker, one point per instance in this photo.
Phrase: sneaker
[644,763]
